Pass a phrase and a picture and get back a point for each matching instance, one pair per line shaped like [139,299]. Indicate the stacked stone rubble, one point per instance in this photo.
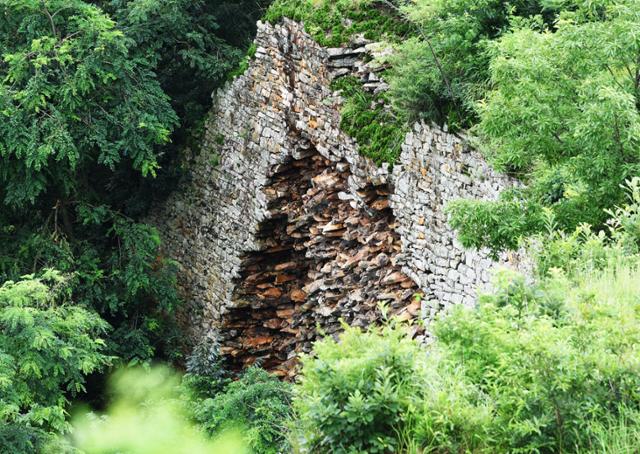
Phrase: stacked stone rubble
[282,226]
[362,59]
[321,259]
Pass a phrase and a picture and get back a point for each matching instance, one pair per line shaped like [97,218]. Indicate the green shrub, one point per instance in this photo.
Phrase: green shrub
[498,225]
[151,411]
[583,250]
[48,346]
[553,360]
[359,394]
[258,405]
[453,415]
[206,375]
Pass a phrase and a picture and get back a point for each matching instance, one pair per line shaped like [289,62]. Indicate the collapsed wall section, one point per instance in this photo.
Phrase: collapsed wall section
[321,259]
[283,227]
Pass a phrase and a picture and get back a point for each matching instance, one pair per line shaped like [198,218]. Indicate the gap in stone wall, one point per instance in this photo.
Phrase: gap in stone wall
[261,327]
[323,258]
[339,252]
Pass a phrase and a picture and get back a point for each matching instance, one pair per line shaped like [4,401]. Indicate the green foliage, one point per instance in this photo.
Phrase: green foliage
[257,405]
[152,412]
[360,393]
[615,435]
[117,270]
[147,417]
[91,93]
[550,367]
[206,375]
[48,345]
[584,250]
[441,71]
[365,117]
[244,63]
[71,98]
[194,44]
[499,225]
[563,111]
[552,359]
[333,23]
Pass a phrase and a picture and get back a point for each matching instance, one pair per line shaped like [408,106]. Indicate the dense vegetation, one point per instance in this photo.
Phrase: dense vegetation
[543,366]
[99,102]
[102,101]
[555,101]
[549,366]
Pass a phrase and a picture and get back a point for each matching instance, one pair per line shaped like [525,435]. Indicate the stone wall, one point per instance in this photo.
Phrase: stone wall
[437,168]
[283,227]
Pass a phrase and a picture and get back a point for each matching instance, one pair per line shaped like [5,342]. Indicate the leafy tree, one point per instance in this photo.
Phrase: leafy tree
[118,272]
[563,115]
[98,102]
[91,94]
[186,40]
[72,98]
[48,345]
[77,109]
[442,69]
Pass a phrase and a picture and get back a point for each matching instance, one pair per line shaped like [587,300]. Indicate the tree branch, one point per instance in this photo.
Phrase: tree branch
[431,49]
[51,21]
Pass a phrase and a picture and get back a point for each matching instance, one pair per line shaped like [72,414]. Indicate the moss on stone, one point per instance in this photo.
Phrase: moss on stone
[368,119]
[333,22]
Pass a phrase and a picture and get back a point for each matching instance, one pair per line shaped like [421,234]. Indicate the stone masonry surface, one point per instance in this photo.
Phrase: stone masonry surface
[282,226]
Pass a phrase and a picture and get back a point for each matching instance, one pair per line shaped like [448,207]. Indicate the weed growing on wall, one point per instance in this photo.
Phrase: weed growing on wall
[334,23]
[366,118]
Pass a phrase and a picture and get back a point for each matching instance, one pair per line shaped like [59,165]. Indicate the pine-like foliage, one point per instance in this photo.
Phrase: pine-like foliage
[47,347]
[72,98]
